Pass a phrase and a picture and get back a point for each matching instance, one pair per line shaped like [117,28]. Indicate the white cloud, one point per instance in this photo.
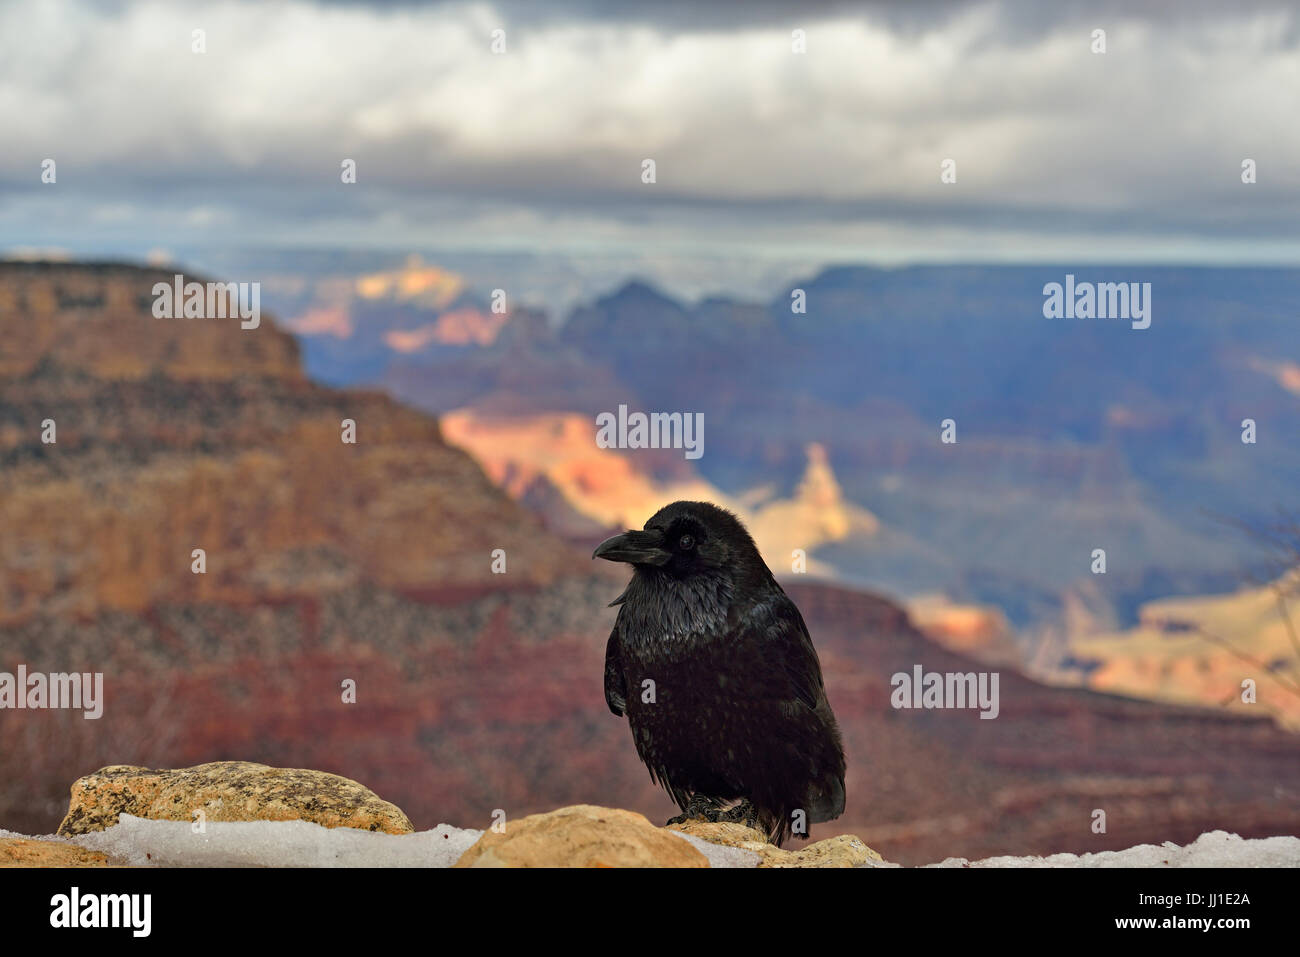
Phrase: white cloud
[1153,130]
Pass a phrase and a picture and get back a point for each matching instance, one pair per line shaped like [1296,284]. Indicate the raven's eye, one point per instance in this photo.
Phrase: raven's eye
[686,543]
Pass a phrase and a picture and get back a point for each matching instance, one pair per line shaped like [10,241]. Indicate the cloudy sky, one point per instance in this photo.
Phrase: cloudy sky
[834,154]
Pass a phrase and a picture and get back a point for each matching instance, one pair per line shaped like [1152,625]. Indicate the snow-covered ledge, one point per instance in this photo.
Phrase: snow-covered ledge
[139,842]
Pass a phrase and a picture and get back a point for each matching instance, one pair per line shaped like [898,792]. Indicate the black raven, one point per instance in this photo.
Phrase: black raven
[713,666]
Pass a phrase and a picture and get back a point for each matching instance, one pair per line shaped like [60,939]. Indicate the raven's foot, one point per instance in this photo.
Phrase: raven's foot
[744,813]
[699,808]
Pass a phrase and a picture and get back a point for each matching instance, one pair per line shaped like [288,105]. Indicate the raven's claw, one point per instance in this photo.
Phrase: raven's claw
[699,808]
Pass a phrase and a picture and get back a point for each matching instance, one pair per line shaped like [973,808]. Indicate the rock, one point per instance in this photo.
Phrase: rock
[590,836]
[30,852]
[228,791]
[582,836]
[135,486]
[843,851]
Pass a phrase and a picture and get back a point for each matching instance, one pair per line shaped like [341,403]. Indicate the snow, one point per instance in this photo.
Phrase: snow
[720,855]
[139,842]
[1212,849]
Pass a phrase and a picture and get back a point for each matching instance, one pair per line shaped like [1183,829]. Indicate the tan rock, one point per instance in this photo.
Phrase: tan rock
[843,851]
[228,791]
[582,836]
[29,852]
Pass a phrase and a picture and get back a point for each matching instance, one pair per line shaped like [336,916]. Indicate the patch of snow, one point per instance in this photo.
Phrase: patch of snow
[139,842]
[720,855]
[1212,849]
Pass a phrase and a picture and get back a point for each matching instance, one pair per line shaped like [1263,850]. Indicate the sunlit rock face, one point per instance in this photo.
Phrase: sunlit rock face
[1234,651]
[172,435]
[556,452]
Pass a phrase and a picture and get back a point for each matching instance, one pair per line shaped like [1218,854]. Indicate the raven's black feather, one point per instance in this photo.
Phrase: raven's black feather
[615,689]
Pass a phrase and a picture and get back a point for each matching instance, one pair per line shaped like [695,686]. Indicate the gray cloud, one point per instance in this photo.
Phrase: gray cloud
[840,145]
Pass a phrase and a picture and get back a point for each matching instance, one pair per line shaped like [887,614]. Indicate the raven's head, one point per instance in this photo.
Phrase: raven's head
[684,539]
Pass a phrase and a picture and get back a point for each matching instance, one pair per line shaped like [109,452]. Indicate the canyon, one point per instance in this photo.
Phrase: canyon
[330,563]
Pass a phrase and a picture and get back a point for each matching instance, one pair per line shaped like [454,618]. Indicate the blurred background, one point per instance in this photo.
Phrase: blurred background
[798,153]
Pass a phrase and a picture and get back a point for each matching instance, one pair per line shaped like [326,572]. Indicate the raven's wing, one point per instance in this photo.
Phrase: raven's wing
[787,639]
[786,642]
[615,682]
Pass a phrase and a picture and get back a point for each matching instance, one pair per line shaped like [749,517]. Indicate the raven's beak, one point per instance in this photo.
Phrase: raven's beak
[635,548]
